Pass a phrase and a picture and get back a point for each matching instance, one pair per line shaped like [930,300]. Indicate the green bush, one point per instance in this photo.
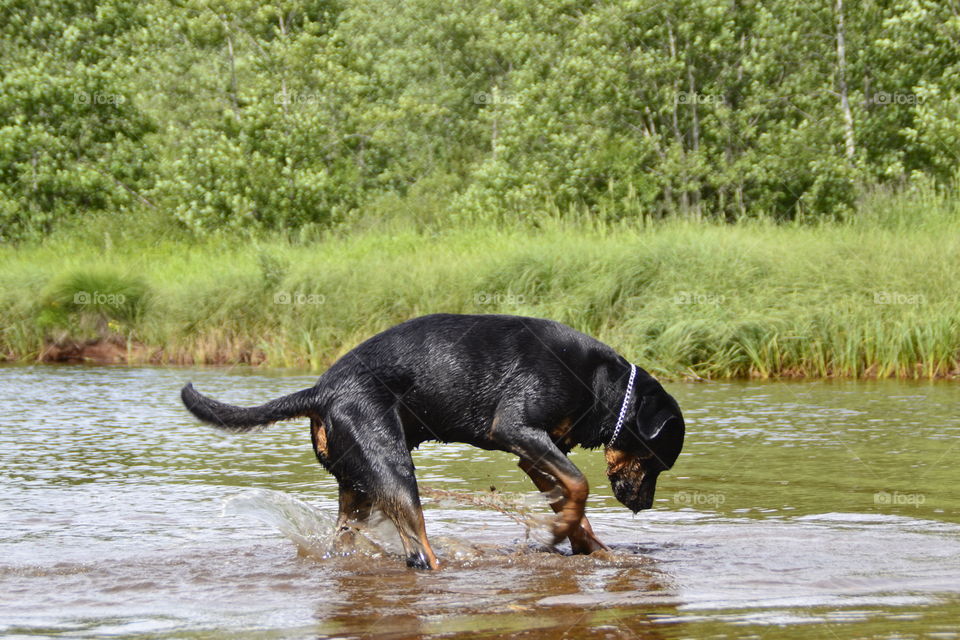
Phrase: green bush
[233,116]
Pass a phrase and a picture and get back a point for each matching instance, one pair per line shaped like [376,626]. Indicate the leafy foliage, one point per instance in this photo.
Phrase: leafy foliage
[71,137]
[238,116]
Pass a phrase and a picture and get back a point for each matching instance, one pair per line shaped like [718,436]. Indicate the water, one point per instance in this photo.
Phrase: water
[813,510]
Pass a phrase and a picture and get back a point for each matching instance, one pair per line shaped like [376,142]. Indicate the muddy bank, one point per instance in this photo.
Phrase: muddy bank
[107,351]
[99,351]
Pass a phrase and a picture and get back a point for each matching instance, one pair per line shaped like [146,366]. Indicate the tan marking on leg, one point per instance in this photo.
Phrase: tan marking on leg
[576,491]
[422,535]
[493,426]
[411,527]
[542,480]
[352,508]
[560,434]
[546,483]
[572,514]
[319,437]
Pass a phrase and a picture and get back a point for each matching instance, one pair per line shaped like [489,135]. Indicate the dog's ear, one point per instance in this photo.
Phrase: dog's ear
[651,425]
[658,422]
[662,433]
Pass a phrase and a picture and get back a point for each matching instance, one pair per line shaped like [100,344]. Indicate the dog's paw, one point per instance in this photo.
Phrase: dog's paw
[584,544]
[562,530]
[418,561]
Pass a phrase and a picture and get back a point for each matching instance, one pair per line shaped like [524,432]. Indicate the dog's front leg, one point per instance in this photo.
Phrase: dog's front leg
[547,483]
[538,453]
[570,518]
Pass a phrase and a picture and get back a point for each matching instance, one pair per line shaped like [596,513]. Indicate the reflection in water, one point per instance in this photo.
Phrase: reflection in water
[828,508]
[828,568]
[518,590]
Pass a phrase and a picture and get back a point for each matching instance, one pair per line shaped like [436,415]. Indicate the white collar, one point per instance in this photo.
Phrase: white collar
[624,406]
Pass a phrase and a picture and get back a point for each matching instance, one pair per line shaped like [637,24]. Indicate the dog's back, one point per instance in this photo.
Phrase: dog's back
[449,372]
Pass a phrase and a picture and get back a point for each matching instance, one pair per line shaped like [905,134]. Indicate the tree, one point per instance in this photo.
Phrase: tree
[72,137]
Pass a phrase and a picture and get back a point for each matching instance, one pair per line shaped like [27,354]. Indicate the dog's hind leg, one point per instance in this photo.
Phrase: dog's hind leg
[383,468]
[355,507]
[546,483]
[400,501]
[392,489]
[402,507]
[366,450]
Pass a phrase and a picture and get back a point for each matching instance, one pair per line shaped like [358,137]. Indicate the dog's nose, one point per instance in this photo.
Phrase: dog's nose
[648,488]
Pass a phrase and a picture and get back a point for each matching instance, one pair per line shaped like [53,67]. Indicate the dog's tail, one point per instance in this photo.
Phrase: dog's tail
[233,418]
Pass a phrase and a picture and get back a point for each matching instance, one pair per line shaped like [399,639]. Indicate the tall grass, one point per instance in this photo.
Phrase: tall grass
[873,296]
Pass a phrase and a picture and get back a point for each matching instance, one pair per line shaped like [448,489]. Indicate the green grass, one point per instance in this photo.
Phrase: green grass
[875,296]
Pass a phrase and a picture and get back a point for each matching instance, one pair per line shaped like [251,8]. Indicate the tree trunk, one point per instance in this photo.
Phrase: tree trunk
[695,134]
[234,99]
[849,138]
[678,136]
[283,76]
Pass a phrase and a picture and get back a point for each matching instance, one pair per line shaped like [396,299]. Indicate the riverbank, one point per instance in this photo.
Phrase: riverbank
[871,298]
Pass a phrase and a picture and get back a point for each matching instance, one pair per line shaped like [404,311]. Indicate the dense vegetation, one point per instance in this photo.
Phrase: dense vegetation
[224,181]
[227,115]
[875,296]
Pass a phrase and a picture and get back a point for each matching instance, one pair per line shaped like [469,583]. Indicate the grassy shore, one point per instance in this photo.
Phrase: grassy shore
[875,296]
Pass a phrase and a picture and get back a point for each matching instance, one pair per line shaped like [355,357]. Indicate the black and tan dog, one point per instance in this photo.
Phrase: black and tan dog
[532,387]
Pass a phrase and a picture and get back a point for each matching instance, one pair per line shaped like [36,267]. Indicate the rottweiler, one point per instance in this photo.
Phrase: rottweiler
[533,387]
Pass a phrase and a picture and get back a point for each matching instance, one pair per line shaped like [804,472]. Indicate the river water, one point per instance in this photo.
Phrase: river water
[806,510]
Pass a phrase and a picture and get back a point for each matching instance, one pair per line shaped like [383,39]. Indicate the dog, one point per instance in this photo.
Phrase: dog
[532,387]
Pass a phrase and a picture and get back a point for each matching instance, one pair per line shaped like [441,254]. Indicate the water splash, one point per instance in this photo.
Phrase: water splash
[312,530]
[521,508]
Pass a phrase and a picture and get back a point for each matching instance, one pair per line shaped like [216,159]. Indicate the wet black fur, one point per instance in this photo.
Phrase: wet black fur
[492,381]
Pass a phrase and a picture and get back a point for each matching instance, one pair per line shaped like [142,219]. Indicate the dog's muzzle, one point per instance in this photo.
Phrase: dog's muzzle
[633,478]
[634,490]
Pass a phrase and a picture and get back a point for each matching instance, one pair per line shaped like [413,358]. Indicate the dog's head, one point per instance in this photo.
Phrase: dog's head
[649,442]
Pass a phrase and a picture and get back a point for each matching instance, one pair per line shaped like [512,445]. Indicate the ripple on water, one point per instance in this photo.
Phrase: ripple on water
[113,500]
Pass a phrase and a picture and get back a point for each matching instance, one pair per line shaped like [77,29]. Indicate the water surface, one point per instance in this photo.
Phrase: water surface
[809,510]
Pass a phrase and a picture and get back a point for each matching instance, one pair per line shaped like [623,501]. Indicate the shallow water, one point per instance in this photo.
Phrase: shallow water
[805,510]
